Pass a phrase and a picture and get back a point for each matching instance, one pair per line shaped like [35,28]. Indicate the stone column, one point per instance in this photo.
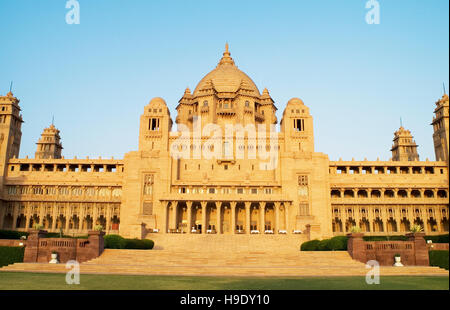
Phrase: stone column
[262,210]
[81,218]
[15,215]
[165,207]
[277,217]
[219,218]
[247,217]
[233,217]
[204,205]
[55,216]
[286,215]
[189,216]
[174,214]
[108,218]
[28,215]
[67,214]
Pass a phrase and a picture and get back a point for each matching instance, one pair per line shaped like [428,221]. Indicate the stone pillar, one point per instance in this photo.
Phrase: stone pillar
[219,218]
[247,217]
[204,205]
[108,218]
[189,216]
[356,247]
[32,245]
[67,214]
[262,210]
[173,224]
[165,207]
[15,215]
[286,215]
[277,217]
[81,217]
[55,217]
[233,217]
[420,248]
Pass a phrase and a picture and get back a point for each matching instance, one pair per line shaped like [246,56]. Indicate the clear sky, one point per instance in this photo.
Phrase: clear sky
[96,77]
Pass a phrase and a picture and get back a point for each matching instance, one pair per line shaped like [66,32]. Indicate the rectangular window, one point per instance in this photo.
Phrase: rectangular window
[147,208]
[212,190]
[254,191]
[268,191]
[240,190]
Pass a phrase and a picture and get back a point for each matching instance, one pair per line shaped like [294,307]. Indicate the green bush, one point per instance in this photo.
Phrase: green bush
[10,255]
[118,242]
[57,235]
[114,242]
[438,238]
[338,243]
[12,234]
[311,245]
[385,238]
[439,258]
[137,244]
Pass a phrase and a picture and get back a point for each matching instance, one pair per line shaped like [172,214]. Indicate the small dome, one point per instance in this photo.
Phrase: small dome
[158,101]
[296,101]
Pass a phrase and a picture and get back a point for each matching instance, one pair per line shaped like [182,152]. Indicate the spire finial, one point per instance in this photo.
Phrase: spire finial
[53,120]
[443,84]
[401,123]
[226,59]
[226,47]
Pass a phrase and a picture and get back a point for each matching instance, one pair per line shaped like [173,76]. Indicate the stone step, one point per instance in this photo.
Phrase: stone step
[227,270]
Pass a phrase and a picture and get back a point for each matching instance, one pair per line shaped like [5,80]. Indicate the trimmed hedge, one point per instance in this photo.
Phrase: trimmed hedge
[118,242]
[10,255]
[385,238]
[338,243]
[438,238]
[12,234]
[439,258]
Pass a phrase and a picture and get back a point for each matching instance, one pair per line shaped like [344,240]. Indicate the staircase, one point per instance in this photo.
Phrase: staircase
[222,255]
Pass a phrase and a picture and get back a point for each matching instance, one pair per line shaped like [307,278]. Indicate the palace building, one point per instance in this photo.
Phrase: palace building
[224,170]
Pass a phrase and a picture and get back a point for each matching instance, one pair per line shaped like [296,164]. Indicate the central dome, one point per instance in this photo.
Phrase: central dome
[226,77]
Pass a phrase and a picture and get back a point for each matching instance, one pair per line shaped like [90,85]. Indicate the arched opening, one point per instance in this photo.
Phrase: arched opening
[74,222]
[444,224]
[404,225]
[362,193]
[432,225]
[402,193]
[8,221]
[428,193]
[375,193]
[389,193]
[21,221]
[391,225]
[378,225]
[337,225]
[442,193]
[115,221]
[335,193]
[349,224]
[348,193]
[415,193]
[365,225]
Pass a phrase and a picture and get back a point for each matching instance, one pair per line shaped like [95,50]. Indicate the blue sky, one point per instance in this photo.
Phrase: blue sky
[96,77]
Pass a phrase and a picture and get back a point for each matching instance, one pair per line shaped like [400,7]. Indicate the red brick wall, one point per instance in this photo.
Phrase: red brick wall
[8,242]
[412,252]
[39,249]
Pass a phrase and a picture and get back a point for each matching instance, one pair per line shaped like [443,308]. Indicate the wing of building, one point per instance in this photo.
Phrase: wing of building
[224,170]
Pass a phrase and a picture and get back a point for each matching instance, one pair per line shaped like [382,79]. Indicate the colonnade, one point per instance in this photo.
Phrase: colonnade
[226,217]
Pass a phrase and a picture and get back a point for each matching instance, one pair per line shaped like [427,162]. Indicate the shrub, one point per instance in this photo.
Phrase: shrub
[338,243]
[10,255]
[118,242]
[439,258]
[11,234]
[438,239]
[311,245]
[385,238]
[139,244]
[114,242]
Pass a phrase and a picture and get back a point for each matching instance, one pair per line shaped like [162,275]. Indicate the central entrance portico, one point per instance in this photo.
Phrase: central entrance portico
[226,217]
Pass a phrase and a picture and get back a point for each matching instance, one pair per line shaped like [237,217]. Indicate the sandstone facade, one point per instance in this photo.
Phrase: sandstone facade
[194,180]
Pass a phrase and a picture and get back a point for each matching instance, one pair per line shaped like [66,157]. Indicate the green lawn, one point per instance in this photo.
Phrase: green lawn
[43,281]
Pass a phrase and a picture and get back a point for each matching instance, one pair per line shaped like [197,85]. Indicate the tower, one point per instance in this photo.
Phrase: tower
[49,145]
[404,148]
[10,129]
[440,129]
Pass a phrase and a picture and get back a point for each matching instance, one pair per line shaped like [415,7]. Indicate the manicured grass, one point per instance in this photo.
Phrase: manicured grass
[42,281]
